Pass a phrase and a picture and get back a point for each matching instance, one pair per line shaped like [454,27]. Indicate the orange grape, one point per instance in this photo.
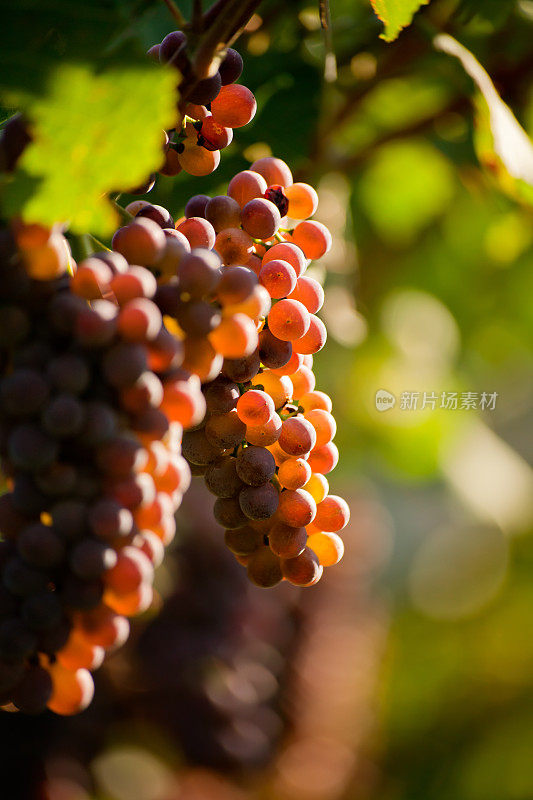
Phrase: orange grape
[324,459]
[303,570]
[303,200]
[297,437]
[332,514]
[265,434]
[102,627]
[234,106]
[289,320]
[315,399]
[245,186]
[309,292]
[303,381]
[278,277]
[285,251]
[324,424]
[317,486]
[293,364]
[198,231]
[235,337]
[279,387]
[274,170]
[255,408]
[233,246]
[131,570]
[314,338]
[294,474]
[328,548]
[78,653]
[286,541]
[72,691]
[296,508]
[132,603]
[196,160]
[313,237]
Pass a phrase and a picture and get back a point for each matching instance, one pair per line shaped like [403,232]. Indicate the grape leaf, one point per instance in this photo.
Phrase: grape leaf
[395,15]
[502,144]
[93,134]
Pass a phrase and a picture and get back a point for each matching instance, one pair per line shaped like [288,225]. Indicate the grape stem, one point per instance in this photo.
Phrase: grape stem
[176,13]
[125,215]
[222,22]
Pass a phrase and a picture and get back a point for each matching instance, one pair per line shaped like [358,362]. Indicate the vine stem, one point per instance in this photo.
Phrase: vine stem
[125,215]
[227,19]
[176,13]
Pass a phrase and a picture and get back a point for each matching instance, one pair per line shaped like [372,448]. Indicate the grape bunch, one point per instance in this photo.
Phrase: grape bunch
[246,313]
[209,109]
[93,403]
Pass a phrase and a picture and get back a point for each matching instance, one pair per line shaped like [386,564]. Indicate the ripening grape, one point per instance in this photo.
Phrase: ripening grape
[266,434]
[231,67]
[274,170]
[303,381]
[313,237]
[279,387]
[255,408]
[255,465]
[294,473]
[222,478]
[241,370]
[302,570]
[236,285]
[259,502]
[235,337]
[264,568]
[288,252]
[233,245]
[234,106]
[328,548]
[260,218]
[296,508]
[286,541]
[324,459]
[289,320]
[214,136]
[313,339]
[303,200]
[245,186]
[198,231]
[298,436]
[273,352]
[333,514]
[225,430]
[196,160]
[140,242]
[315,399]
[309,292]
[317,486]
[243,541]
[223,212]
[279,278]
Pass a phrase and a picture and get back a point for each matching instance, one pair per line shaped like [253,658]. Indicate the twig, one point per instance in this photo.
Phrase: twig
[176,13]
[330,62]
[125,215]
[197,20]
[232,14]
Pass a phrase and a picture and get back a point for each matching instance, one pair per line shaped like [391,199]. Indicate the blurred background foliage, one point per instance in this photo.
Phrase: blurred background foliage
[408,672]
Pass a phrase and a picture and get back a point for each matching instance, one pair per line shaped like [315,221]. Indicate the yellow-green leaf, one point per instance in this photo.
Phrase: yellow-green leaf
[93,134]
[396,15]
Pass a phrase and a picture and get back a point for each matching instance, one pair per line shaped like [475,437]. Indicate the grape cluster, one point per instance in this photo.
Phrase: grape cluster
[209,109]
[246,313]
[93,402]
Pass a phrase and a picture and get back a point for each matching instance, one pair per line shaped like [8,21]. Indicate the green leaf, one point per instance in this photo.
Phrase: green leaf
[395,15]
[502,145]
[93,134]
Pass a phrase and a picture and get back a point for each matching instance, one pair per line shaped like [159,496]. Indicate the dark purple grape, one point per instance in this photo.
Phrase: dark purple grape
[40,546]
[206,90]
[198,318]
[34,691]
[42,612]
[69,373]
[69,518]
[221,478]
[228,513]
[90,559]
[23,393]
[30,449]
[259,502]
[196,206]
[255,465]
[273,352]
[231,67]
[17,641]
[158,214]
[63,416]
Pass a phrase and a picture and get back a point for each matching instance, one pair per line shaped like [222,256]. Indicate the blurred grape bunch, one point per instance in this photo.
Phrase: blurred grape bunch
[216,659]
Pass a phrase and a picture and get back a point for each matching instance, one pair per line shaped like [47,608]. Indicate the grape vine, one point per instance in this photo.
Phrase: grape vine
[185,349]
